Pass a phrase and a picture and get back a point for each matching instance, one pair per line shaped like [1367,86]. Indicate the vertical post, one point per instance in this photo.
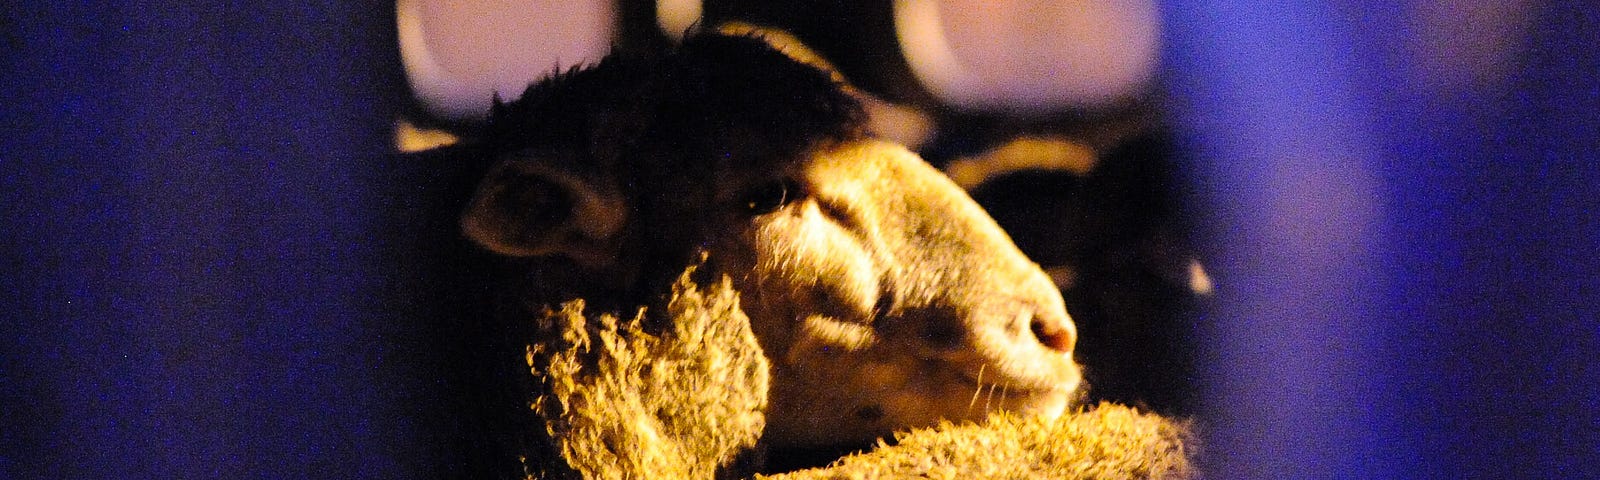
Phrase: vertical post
[205,268]
[1405,272]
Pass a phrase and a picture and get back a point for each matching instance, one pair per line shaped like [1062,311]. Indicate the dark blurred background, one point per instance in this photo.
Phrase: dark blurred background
[1352,239]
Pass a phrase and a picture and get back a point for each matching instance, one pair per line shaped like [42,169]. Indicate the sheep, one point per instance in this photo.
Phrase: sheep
[882,297]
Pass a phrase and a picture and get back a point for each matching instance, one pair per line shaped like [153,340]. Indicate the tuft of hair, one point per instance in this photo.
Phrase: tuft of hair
[620,402]
[715,96]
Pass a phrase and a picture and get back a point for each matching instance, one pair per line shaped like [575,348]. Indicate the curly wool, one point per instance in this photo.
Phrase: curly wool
[1108,442]
[623,403]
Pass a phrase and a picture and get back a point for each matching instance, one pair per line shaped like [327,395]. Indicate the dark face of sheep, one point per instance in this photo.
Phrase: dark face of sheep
[884,296]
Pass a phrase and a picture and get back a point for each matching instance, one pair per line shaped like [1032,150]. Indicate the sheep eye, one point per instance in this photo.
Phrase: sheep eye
[768,197]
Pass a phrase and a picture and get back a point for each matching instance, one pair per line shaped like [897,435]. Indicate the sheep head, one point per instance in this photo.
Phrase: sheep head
[884,297]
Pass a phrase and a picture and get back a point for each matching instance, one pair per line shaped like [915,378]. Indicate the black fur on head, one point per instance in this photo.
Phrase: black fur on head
[668,129]
[715,97]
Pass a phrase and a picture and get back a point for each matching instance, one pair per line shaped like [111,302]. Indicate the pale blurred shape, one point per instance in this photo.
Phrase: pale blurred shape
[1024,153]
[1199,280]
[674,17]
[459,54]
[1030,56]
[1466,47]
[408,137]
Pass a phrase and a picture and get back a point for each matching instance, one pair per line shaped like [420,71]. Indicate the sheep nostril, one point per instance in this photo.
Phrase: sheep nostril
[1052,334]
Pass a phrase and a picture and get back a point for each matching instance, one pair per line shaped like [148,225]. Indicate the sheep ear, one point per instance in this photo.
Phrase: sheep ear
[527,208]
[901,124]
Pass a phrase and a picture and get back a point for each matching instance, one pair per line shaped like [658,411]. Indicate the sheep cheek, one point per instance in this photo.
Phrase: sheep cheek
[817,285]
